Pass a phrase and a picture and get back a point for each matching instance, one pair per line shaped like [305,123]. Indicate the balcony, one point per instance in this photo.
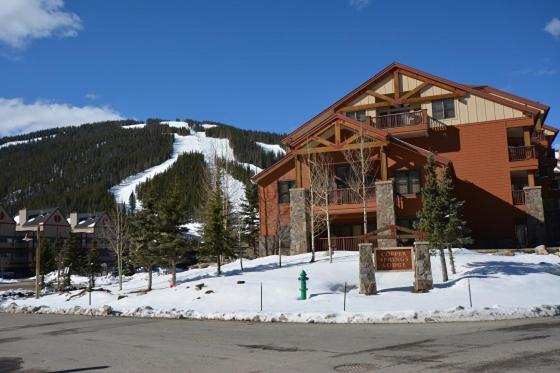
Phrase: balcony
[413,123]
[518,197]
[522,153]
[347,196]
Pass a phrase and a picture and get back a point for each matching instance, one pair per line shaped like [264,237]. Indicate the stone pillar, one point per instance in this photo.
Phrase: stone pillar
[368,286]
[536,226]
[299,235]
[384,194]
[265,246]
[423,280]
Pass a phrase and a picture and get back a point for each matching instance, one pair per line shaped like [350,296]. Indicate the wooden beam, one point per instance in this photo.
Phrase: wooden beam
[416,100]
[531,178]
[299,174]
[326,149]
[414,91]
[438,84]
[351,139]
[321,140]
[526,136]
[364,107]
[384,165]
[380,96]
[337,133]
[396,85]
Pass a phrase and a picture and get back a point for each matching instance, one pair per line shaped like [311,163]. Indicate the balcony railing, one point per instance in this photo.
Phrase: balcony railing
[522,153]
[340,243]
[348,196]
[412,118]
[518,197]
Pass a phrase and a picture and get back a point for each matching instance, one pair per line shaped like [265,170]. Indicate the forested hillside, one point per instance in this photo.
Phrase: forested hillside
[74,167]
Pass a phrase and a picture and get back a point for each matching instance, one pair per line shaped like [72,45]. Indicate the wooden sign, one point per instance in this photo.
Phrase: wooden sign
[394,259]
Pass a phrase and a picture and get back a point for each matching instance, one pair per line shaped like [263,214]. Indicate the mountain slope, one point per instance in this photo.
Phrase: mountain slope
[79,168]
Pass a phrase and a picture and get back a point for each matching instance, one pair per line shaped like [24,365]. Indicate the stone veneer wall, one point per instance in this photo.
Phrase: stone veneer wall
[536,226]
[299,237]
[384,194]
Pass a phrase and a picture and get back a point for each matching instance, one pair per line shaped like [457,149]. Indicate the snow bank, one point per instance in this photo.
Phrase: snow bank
[273,148]
[526,285]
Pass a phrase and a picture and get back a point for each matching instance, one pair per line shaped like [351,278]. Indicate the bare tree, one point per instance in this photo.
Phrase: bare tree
[116,234]
[362,169]
[321,185]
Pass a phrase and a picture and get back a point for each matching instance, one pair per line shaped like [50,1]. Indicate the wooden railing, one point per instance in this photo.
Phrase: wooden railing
[340,243]
[522,153]
[348,196]
[518,197]
[412,118]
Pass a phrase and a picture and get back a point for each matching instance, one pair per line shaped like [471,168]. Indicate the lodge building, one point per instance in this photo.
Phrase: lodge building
[496,144]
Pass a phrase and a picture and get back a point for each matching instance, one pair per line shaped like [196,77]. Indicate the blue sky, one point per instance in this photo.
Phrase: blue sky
[267,65]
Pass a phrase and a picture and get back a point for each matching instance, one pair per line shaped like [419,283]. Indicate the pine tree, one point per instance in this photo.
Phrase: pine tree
[250,217]
[48,261]
[72,258]
[432,215]
[145,248]
[456,231]
[93,262]
[173,242]
[132,204]
[216,239]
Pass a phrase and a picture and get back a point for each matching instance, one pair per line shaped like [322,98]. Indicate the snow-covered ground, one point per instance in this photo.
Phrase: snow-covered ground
[273,148]
[525,285]
[7,281]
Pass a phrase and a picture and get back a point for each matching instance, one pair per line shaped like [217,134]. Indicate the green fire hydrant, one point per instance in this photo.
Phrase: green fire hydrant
[303,285]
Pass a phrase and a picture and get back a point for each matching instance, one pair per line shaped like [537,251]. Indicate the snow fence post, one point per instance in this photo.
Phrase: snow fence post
[368,285]
[423,280]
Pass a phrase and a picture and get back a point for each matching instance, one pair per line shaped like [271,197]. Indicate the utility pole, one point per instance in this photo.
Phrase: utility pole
[38,263]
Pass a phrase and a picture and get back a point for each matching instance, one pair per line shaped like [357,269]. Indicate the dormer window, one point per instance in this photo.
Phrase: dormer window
[359,115]
[443,109]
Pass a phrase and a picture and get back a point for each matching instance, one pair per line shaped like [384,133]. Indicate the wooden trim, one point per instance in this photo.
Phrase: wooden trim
[364,107]
[351,139]
[380,96]
[337,132]
[384,165]
[299,173]
[413,100]
[526,136]
[396,85]
[415,91]
[326,149]
[321,140]
[531,178]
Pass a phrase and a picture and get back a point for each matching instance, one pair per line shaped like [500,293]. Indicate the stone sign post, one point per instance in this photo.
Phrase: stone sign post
[368,285]
[423,280]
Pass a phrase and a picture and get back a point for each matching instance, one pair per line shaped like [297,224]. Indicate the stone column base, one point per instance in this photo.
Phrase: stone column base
[536,225]
[385,199]
[423,280]
[299,235]
[368,285]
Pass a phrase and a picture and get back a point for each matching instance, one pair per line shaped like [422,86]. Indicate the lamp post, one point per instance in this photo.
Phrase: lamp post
[38,264]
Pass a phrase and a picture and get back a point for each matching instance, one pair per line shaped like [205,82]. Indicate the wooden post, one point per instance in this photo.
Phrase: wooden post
[526,136]
[38,264]
[299,176]
[531,178]
[383,160]
[337,133]
[396,83]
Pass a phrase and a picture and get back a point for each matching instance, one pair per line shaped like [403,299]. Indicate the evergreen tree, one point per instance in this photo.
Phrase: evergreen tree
[145,248]
[48,260]
[216,239]
[132,204]
[250,217]
[72,258]
[456,231]
[432,215]
[173,241]
[93,262]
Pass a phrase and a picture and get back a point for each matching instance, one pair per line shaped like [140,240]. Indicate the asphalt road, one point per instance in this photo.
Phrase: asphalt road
[40,343]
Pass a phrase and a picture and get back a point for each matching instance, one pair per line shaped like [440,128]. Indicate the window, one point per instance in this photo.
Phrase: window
[284,190]
[443,109]
[407,181]
[359,115]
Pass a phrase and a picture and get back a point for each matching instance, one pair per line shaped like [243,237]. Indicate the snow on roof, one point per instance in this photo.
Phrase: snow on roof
[273,148]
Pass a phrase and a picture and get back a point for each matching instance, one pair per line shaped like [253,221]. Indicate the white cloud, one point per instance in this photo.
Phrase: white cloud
[24,20]
[553,27]
[16,116]
[360,4]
